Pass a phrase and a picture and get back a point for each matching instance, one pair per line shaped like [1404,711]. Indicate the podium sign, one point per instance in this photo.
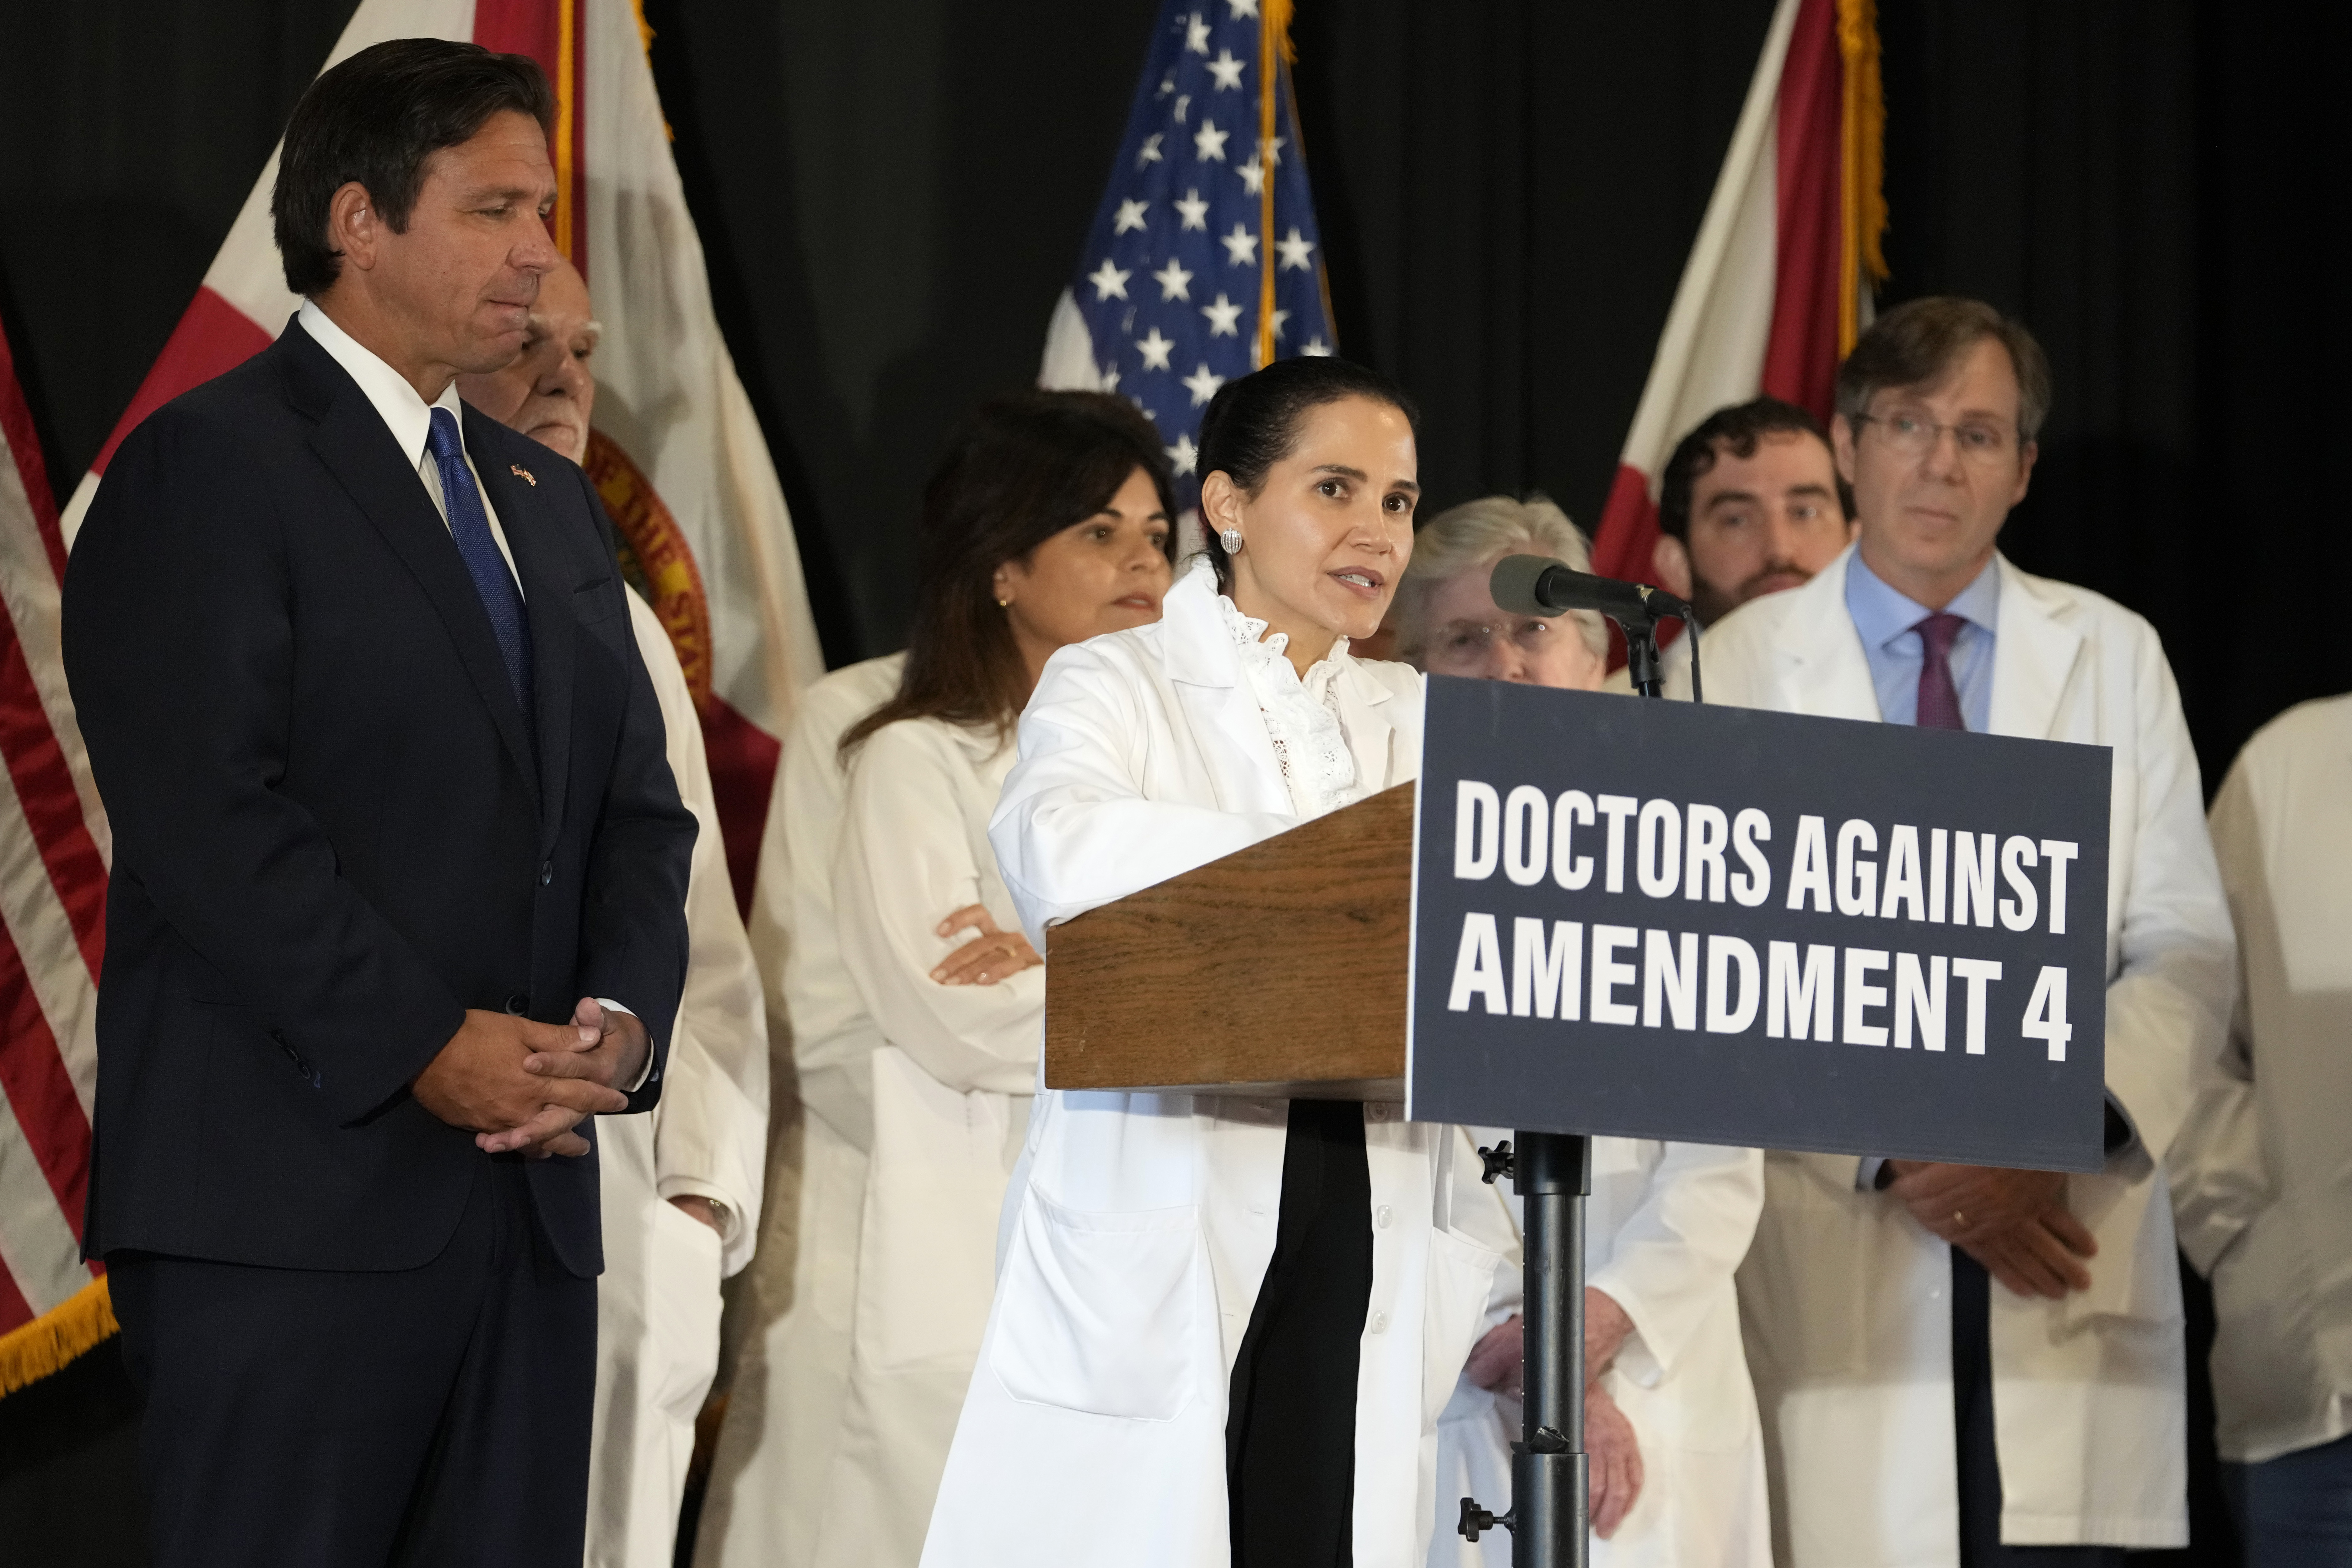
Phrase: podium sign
[1662,919]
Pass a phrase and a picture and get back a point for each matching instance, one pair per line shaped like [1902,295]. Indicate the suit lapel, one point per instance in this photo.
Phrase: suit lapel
[2033,655]
[350,439]
[547,604]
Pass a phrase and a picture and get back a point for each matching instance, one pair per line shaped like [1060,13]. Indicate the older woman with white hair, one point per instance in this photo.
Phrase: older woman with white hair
[1677,1467]
[1447,623]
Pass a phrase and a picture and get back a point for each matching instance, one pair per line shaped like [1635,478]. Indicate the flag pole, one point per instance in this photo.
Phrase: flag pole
[1272,39]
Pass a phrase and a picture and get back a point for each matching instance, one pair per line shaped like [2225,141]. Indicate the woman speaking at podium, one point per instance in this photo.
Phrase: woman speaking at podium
[1047,522]
[1224,1327]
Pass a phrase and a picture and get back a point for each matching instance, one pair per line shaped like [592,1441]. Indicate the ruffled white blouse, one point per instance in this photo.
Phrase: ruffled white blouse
[1302,714]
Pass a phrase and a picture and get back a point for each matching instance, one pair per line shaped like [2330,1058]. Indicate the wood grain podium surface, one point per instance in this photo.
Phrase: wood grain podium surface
[1279,970]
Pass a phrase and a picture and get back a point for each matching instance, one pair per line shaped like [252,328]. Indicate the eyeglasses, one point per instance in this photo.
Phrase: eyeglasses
[1463,644]
[1979,441]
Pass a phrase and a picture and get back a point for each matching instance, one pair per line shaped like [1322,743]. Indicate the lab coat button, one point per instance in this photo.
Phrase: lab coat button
[1383,1214]
[1376,1113]
[1380,1322]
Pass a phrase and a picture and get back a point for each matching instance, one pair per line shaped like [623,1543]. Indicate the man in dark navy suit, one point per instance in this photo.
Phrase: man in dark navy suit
[399,873]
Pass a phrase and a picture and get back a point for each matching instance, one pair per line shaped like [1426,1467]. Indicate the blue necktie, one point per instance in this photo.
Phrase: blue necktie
[469,525]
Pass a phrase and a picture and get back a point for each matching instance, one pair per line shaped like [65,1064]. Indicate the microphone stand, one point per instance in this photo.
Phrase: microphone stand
[1551,1498]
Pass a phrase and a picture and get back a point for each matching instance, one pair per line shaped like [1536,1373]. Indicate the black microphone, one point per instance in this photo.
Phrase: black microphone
[1538,585]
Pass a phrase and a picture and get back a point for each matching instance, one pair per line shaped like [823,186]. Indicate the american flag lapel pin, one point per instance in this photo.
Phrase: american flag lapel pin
[523,474]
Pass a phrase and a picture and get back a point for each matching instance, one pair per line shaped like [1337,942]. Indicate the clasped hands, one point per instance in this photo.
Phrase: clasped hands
[2015,1223]
[520,1085]
[1614,1455]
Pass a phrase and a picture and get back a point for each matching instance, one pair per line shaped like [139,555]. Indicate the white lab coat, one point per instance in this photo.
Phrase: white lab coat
[951,1085]
[657,1300]
[1846,1299]
[1664,1228]
[791,1312]
[2262,1176]
[1139,1228]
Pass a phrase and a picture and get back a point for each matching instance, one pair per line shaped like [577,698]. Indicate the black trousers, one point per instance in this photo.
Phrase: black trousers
[315,1419]
[1979,1460]
[1290,1426]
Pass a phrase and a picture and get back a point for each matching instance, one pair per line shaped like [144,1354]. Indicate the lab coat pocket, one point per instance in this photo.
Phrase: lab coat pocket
[1803,1285]
[927,1253]
[2135,1278]
[1095,1310]
[681,1310]
[1461,1279]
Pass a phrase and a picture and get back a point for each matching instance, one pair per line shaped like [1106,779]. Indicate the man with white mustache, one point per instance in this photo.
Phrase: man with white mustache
[681,1186]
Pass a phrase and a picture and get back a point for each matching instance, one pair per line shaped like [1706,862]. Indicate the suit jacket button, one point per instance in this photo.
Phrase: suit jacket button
[518,1003]
[546,872]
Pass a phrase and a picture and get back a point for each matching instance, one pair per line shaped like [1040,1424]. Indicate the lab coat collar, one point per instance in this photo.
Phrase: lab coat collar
[2034,650]
[1200,652]
[2033,657]
[1820,653]
[1370,734]
[1206,669]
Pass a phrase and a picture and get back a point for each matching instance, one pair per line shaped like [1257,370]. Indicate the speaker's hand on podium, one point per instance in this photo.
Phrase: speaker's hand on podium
[2015,1223]
[1615,1462]
[992,955]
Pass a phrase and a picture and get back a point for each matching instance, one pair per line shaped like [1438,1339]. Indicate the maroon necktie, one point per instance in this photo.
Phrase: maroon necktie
[1939,699]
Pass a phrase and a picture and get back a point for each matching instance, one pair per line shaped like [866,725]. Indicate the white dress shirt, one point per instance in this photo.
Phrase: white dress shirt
[407,415]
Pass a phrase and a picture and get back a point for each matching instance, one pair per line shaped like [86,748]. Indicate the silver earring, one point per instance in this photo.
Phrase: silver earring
[1231,539]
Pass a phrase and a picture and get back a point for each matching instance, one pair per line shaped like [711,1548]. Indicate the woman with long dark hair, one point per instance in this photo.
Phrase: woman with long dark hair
[1046,522]
[1225,1326]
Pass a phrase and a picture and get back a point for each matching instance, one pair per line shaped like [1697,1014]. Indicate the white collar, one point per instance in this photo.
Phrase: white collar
[408,415]
[1249,636]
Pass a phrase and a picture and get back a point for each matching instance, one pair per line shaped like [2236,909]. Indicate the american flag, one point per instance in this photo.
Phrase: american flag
[1204,261]
[53,852]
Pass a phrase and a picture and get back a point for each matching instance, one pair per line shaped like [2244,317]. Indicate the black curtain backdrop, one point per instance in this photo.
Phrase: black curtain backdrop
[891,194]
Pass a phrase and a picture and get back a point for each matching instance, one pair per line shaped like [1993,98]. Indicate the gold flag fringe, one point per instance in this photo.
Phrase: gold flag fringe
[72,1329]
[1863,188]
[1272,46]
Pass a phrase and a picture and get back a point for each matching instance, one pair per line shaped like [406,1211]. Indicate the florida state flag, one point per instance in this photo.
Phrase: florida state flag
[1776,286]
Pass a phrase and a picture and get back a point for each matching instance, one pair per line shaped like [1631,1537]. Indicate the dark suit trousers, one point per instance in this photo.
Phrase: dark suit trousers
[343,1420]
[1979,1460]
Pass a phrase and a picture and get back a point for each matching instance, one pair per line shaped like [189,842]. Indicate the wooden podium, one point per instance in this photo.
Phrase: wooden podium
[1279,970]
[1282,970]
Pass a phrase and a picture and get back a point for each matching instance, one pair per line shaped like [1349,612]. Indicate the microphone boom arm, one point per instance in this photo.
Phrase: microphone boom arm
[1538,585]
